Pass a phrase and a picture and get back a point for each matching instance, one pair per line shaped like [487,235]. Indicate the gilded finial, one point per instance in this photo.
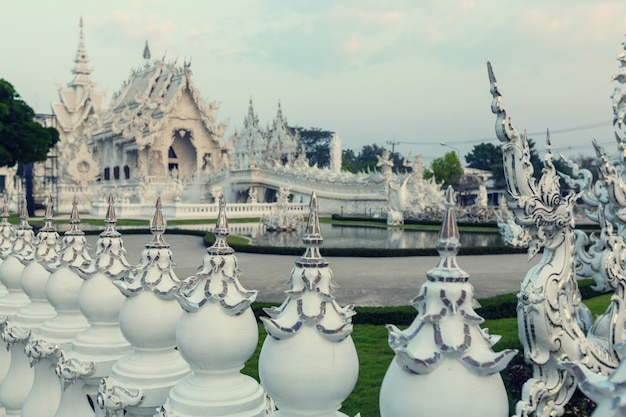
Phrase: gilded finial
[5,210]
[74,219]
[110,220]
[312,238]
[449,232]
[48,217]
[221,231]
[24,215]
[448,245]
[157,227]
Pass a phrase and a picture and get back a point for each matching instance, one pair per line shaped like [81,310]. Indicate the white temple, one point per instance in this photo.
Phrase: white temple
[158,137]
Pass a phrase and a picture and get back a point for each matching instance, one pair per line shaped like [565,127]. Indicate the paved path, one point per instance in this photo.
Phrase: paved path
[362,281]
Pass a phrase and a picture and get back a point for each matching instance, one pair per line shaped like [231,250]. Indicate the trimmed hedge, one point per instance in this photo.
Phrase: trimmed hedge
[492,308]
[383,221]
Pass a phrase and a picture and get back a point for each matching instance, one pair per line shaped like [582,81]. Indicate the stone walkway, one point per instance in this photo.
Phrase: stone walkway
[362,281]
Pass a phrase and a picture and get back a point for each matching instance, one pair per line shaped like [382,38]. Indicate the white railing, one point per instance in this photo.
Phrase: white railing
[195,211]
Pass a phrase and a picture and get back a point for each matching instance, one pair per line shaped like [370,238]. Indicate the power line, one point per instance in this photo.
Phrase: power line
[493,138]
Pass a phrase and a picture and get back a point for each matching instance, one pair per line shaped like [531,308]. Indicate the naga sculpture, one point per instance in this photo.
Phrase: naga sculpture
[554,325]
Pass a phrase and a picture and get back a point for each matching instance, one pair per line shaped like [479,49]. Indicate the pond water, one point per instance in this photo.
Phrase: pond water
[374,237]
[335,236]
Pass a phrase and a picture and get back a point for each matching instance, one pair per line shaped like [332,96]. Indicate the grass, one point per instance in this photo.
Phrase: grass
[375,355]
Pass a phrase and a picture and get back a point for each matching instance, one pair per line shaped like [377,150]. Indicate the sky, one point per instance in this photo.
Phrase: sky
[406,75]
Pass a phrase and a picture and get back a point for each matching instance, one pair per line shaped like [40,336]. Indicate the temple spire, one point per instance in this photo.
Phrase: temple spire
[280,119]
[146,52]
[81,69]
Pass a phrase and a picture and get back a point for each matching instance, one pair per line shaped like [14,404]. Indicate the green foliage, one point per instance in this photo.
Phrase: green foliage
[488,157]
[447,169]
[21,138]
[349,160]
[367,159]
[316,145]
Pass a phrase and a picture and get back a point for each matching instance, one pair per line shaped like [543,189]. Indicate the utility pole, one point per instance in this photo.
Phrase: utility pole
[393,144]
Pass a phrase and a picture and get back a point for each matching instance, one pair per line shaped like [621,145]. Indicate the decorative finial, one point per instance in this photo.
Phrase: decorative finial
[24,215]
[448,245]
[48,217]
[74,219]
[157,227]
[220,247]
[110,220]
[5,210]
[312,239]
[146,52]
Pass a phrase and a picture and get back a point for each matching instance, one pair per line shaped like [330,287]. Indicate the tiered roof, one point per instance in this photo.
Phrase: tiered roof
[140,108]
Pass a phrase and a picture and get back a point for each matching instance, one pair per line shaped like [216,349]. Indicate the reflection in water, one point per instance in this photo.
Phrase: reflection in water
[374,237]
[334,236]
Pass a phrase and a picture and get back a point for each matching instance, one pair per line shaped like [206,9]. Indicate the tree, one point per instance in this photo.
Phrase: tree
[316,144]
[447,169]
[368,157]
[487,157]
[348,160]
[21,138]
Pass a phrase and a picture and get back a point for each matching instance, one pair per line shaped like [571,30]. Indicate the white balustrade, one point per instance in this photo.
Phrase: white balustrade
[95,350]
[45,394]
[308,363]
[15,271]
[139,382]
[6,243]
[217,333]
[55,335]
[444,361]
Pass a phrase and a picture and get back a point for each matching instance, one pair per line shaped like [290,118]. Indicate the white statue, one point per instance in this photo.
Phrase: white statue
[550,315]
[482,195]
[335,153]
[417,166]
[252,197]
[386,164]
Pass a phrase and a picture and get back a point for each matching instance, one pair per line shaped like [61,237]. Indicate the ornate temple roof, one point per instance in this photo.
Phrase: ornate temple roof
[79,98]
[139,110]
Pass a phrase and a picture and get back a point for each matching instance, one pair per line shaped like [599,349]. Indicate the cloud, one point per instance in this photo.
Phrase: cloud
[579,24]
[121,27]
[331,38]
